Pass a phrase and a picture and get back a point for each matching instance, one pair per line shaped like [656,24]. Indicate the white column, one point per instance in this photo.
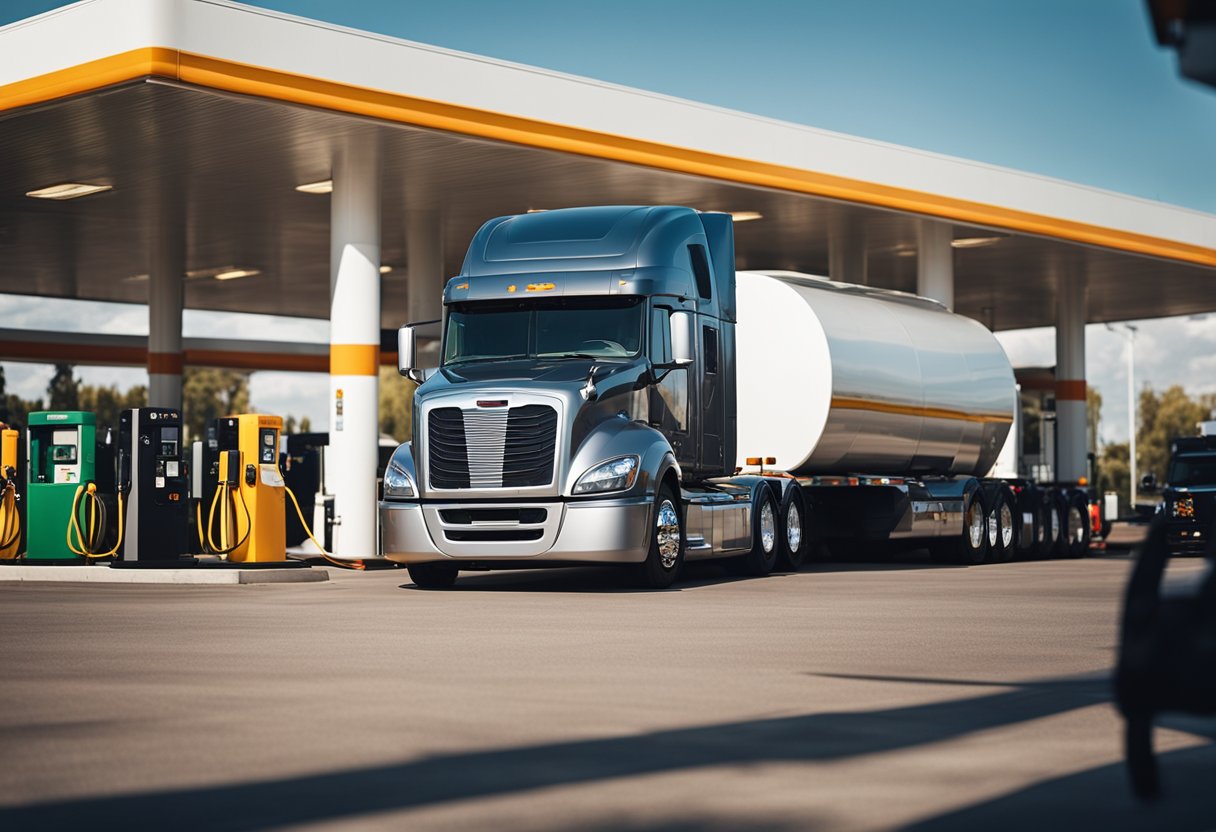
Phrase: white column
[354,349]
[424,265]
[935,262]
[846,252]
[1071,423]
[166,273]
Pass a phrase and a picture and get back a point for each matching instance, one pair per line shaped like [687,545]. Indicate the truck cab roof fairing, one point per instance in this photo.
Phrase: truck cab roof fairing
[619,242]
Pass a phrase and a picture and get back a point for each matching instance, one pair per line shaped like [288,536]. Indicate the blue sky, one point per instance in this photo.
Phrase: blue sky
[1074,89]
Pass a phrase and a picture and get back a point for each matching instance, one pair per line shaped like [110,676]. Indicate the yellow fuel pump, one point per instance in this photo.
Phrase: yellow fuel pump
[10,515]
[249,491]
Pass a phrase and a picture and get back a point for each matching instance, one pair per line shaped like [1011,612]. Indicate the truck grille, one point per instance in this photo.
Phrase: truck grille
[492,447]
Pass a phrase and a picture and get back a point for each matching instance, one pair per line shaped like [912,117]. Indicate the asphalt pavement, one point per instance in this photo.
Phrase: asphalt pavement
[848,696]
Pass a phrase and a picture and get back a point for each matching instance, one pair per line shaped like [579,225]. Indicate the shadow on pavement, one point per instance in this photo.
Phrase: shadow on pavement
[451,778]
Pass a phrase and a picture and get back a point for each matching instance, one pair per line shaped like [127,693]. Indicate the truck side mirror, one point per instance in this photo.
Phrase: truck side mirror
[407,351]
[1148,482]
[683,337]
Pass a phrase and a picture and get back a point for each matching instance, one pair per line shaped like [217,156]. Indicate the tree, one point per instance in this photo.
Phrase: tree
[1114,471]
[1163,419]
[209,393]
[108,401]
[396,404]
[63,393]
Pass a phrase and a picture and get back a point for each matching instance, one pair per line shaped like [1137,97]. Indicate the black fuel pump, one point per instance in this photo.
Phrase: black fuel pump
[152,476]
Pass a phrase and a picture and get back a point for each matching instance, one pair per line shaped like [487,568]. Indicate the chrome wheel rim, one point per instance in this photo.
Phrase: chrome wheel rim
[1055,526]
[1006,526]
[975,526]
[994,529]
[768,527]
[667,534]
[793,528]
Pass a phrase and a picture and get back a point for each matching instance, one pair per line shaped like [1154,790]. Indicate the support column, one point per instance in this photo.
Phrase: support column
[354,349]
[424,265]
[1071,422]
[935,262]
[847,252]
[166,274]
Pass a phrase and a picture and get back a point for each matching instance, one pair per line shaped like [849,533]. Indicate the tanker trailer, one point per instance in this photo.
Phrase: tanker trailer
[609,391]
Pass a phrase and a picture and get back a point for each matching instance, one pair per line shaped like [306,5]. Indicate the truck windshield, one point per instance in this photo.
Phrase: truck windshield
[1192,470]
[558,328]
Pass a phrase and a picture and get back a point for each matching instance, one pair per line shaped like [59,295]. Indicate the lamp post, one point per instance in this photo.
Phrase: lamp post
[1130,335]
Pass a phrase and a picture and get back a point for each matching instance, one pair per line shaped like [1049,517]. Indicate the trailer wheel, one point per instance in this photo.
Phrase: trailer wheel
[971,545]
[667,539]
[1001,532]
[433,575]
[1079,530]
[766,527]
[795,528]
[1049,524]
[1060,524]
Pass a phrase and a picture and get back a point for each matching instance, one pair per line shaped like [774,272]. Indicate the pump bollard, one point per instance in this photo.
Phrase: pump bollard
[1167,655]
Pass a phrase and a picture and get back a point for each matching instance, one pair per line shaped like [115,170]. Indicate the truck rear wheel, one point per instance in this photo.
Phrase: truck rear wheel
[794,543]
[971,545]
[761,560]
[1059,524]
[433,575]
[666,553]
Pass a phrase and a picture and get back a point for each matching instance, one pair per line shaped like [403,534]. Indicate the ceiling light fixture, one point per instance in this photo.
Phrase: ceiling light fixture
[746,216]
[325,186]
[234,274]
[537,210]
[974,242]
[385,269]
[68,190]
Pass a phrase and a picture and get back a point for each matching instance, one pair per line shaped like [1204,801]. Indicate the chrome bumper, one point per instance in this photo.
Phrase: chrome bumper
[596,531]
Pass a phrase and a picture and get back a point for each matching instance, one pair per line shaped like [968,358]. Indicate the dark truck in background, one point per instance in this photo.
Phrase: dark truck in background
[1188,496]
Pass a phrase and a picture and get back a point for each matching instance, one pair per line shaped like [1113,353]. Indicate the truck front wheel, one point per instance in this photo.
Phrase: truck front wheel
[666,554]
[433,575]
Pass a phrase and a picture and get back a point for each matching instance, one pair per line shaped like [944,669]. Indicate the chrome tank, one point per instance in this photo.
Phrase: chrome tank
[836,379]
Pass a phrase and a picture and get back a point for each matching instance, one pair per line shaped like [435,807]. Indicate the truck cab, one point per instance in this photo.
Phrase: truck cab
[567,413]
[1189,494]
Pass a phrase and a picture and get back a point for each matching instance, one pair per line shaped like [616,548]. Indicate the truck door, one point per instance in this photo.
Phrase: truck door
[712,398]
[670,398]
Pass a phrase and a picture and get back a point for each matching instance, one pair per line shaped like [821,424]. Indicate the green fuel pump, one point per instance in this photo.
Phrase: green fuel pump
[63,454]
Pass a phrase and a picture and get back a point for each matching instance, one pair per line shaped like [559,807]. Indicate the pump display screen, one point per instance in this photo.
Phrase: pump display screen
[561,328]
[268,449]
[63,454]
[168,442]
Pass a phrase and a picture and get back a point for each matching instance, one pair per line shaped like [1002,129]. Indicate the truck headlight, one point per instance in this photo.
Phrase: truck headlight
[397,483]
[614,475]
[1183,508]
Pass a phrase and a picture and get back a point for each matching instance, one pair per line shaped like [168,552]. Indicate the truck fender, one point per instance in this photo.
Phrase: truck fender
[622,437]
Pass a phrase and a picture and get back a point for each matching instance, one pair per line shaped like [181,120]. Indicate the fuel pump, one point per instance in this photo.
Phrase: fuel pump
[10,496]
[70,481]
[151,480]
[245,511]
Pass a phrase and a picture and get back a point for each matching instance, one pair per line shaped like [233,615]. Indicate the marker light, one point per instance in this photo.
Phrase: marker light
[68,190]
[613,475]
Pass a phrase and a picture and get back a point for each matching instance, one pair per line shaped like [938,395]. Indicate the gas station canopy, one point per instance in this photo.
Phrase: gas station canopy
[218,112]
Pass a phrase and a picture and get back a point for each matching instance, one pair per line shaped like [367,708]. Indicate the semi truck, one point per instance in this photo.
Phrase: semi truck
[605,388]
